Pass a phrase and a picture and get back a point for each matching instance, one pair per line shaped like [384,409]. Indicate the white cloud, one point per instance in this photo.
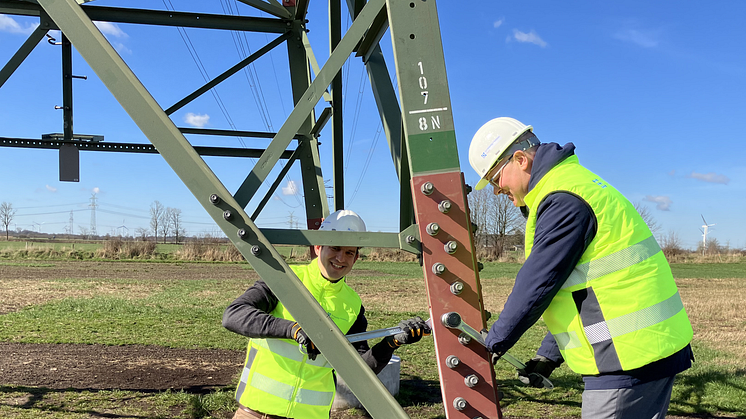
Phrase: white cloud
[196,120]
[643,38]
[531,38]
[112,29]
[710,177]
[663,202]
[291,188]
[498,23]
[8,24]
[51,188]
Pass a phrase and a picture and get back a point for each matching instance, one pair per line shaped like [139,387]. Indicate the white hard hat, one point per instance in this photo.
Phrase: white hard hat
[490,143]
[343,220]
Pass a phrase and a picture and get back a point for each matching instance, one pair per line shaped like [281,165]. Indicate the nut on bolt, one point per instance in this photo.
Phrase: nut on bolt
[432,229]
[471,380]
[427,188]
[256,250]
[214,199]
[464,339]
[452,361]
[459,403]
[450,247]
[242,234]
[439,268]
[457,288]
[444,206]
[410,239]
[228,215]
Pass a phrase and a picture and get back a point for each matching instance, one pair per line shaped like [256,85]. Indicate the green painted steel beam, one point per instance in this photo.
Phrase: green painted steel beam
[275,185]
[67,88]
[312,95]
[426,101]
[231,71]
[312,62]
[335,35]
[273,7]
[132,147]
[407,240]
[314,195]
[220,205]
[160,17]
[15,61]
[229,133]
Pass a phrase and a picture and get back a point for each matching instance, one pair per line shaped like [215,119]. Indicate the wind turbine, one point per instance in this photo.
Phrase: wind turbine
[704,230]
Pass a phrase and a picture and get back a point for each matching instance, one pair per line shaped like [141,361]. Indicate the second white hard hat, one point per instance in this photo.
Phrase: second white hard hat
[490,142]
[343,220]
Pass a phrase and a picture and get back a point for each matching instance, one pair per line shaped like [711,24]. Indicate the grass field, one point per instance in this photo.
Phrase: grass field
[50,302]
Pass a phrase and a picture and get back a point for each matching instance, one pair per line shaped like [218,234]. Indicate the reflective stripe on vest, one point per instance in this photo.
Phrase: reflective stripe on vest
[291,351]
[616,261]
[281,390]
[600,333]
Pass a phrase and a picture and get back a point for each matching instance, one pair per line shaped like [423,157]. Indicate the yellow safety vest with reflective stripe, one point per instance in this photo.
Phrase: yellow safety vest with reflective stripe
[620,308]
[278,379]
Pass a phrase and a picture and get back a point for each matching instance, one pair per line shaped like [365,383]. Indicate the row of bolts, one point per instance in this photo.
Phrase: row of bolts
[438,268]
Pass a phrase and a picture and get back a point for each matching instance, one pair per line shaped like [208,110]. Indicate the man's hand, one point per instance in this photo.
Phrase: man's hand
[412,331]
[302,338]
[536,369]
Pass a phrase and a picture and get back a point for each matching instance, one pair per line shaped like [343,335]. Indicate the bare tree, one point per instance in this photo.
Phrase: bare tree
[142,232]
[175,224]
[647,216]
[6,215]
[671,244]
[496,219]
[157,212]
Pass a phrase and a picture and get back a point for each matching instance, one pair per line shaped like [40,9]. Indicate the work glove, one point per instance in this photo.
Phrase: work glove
[302,338]
[538,365]
[412,331]
[494,356]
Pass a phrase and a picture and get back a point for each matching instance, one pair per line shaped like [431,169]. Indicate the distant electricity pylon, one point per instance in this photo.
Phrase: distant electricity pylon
[93,214]
[704,230]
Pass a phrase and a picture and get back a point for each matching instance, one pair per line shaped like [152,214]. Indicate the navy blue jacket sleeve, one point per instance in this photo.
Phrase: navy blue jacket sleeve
[565,226]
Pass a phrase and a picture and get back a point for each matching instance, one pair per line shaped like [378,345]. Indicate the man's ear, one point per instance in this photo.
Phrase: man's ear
[523,161]
[317,249]
[357,255]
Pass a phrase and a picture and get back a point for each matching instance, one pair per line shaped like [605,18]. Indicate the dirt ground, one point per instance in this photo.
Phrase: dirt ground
[99,367]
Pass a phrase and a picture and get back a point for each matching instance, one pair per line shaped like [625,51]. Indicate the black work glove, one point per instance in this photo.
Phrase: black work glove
[412,331]
[302,338]
[538,365]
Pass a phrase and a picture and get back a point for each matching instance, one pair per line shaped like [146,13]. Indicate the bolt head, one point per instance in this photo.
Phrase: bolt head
[228,215]
[256,250]
[214,199]
[242,233]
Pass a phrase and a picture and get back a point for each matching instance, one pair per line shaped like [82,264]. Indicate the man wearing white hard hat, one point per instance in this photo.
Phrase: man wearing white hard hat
[593,270]
[279,380]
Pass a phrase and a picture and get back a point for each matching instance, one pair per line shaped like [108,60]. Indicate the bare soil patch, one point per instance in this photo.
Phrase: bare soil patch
[99,367]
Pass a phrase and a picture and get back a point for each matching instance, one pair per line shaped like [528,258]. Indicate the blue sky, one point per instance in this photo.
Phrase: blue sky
[651,93]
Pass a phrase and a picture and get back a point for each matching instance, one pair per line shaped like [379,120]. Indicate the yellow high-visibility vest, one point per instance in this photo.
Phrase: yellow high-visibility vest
[278,379]
[620,308]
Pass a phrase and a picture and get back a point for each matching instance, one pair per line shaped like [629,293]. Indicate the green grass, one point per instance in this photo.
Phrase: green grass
[187,314]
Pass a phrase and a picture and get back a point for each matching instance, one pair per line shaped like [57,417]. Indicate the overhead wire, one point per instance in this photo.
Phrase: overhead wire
[203,71]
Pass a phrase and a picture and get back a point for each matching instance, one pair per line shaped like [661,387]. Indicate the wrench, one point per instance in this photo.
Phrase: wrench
[452,320]
[379,333]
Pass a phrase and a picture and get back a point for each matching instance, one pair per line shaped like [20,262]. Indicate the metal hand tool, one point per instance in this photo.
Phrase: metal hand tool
[452,320]
[380,333]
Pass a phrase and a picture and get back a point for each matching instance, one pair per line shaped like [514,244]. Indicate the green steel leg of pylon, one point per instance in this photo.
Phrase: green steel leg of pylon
[220,205]
[314,192]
